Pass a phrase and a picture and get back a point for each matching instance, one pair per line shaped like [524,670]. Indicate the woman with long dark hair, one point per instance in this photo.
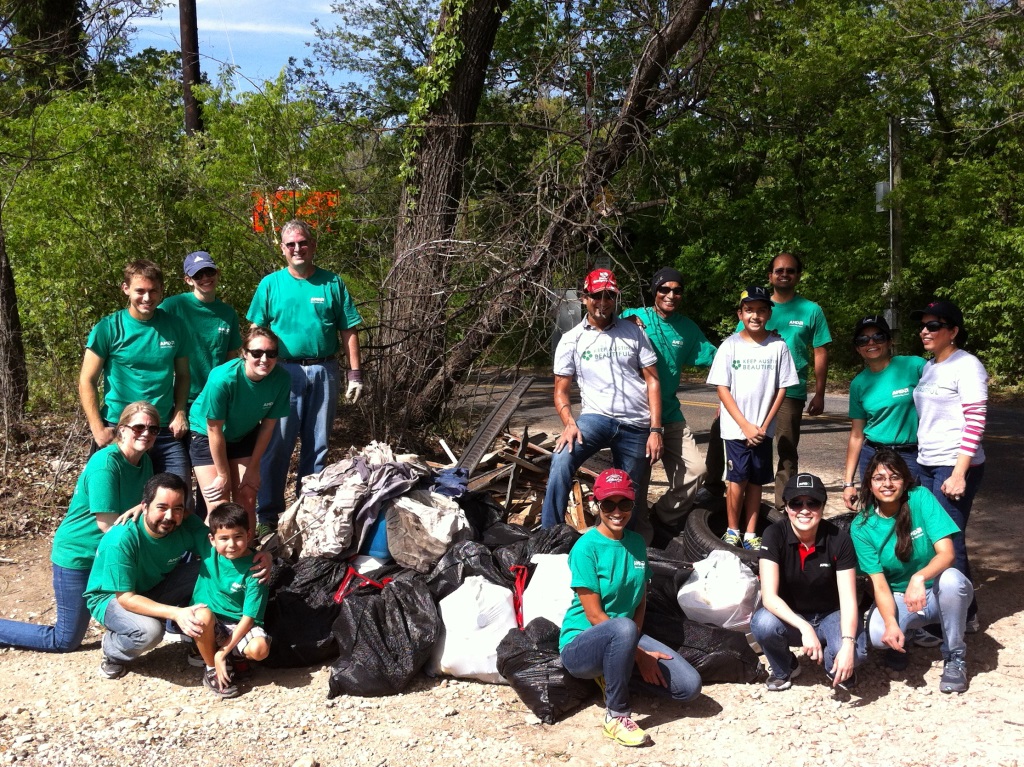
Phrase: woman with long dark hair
[903,540]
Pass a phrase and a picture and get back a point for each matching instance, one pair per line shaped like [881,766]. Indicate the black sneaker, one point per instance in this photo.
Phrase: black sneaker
[113,669]
[780,683]
[195,658]
[847,684]
[212,684]
[897,661]
[954,674]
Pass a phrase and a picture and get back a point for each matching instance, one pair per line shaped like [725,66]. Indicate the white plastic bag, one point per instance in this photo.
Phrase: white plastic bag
[476,616]
[721,591]
[549,593]
[421,527]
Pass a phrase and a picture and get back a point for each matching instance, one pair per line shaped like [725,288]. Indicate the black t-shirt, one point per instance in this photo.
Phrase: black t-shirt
[809,587]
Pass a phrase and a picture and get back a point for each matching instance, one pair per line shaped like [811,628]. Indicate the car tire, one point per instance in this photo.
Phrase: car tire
[706,525]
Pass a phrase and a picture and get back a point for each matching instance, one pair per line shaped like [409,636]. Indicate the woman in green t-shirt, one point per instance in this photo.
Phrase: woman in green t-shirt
[882,408]
[111,484]
[233,419]
[903,540]
[602,635]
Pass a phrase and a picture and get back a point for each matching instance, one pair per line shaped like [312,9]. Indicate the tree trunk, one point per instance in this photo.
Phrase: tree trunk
[13,370]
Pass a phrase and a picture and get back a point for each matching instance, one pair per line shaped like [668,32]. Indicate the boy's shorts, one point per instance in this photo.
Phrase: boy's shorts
[749,464]
[225,629]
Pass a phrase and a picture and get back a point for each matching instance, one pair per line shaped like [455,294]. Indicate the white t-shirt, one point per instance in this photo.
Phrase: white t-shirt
[939,397]
[754,373]
[607,367]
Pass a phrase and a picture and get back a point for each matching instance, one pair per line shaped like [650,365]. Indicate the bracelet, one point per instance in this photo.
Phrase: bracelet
[849,484]
[657,430]
[850,638]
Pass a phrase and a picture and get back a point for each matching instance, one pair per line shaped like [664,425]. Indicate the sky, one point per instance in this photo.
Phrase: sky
[256,35]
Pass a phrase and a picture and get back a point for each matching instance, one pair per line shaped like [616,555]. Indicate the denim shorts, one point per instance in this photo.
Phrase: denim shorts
[749,464]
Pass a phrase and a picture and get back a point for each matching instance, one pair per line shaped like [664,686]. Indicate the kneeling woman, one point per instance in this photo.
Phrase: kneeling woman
[602,630]
[903,539]
[808,591]
[233,419]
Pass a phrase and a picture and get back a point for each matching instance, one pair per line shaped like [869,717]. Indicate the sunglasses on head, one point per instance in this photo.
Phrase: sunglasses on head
[674,291]
[608,505]
[874,338]
[139,429]
[271,354]
[934,325]
[798,504]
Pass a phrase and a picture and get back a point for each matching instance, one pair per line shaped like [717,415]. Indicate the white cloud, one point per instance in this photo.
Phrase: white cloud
[246,27]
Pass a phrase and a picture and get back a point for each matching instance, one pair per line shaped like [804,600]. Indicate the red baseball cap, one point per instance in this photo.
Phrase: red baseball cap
[600,279]
[613,482]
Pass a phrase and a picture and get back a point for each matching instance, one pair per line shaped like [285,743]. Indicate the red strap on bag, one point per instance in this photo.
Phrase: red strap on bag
[522,573]
[354,580]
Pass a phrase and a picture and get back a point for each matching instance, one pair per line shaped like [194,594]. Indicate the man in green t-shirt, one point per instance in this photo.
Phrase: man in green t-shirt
[802,325]
[212,323]
[141,353]
[308,308]
[679,343]
[138,580]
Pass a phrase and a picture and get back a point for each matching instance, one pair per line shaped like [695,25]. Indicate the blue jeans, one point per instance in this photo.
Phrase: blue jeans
[867,453]
[776,637]
[72,617]
[932,478]
[948,599]
[629,448]
[130,634]
[608,650]
[314,401]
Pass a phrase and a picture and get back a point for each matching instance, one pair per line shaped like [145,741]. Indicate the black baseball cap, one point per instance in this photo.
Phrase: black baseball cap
[804,484]
[876,320]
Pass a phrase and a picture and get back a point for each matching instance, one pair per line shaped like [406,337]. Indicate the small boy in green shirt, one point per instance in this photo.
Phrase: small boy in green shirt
[230,601]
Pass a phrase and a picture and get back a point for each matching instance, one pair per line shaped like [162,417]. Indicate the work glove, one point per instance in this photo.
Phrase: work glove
[355,386]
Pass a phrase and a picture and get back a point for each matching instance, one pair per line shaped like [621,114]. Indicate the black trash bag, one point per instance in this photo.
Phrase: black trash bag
[529,660]
[667,575]
[502,534]
[384,638]
[482,512]
[718,655]
[300,615]
[463,559]
[553,540]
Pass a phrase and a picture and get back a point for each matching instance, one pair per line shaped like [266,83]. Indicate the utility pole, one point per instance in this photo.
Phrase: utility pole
[895,220]
[190,72]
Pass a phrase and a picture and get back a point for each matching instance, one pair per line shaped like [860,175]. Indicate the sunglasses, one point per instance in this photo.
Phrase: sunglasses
[139,429]
[271,354]
[604,295]
[874,338]
[785,270]
[204,274]
[811,504]
[674,291]
[297,244]
[608,505]
[934,325]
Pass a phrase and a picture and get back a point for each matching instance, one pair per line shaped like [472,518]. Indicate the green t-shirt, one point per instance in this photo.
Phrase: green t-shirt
[229,587]
[108,484]
[214,330]
[885,401]
[130,559]
[679,343]
[801,323]
[231,397]
[138,360]
[305,314]
[615,570]
[874,538]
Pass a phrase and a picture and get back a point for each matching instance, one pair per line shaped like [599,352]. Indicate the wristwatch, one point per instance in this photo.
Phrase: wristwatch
[657,430]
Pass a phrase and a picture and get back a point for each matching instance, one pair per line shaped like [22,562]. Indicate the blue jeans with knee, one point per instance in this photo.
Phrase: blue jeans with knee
[72,621]
[608,650]
[628,445]
[130,634]
[776,637]
[948,599]
[314,402]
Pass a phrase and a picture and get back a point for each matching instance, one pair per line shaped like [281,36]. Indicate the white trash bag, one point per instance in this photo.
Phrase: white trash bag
[549,592]
[722,591]
[476,616]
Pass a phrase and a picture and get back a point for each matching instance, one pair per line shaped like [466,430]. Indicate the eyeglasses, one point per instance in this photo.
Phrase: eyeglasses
[784,270]
[271,354]
[297,244]
[881,479]
[604,295]
[874,338]
[139,429]
[674,291]
[608,505]
[934,325]
[799,504]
